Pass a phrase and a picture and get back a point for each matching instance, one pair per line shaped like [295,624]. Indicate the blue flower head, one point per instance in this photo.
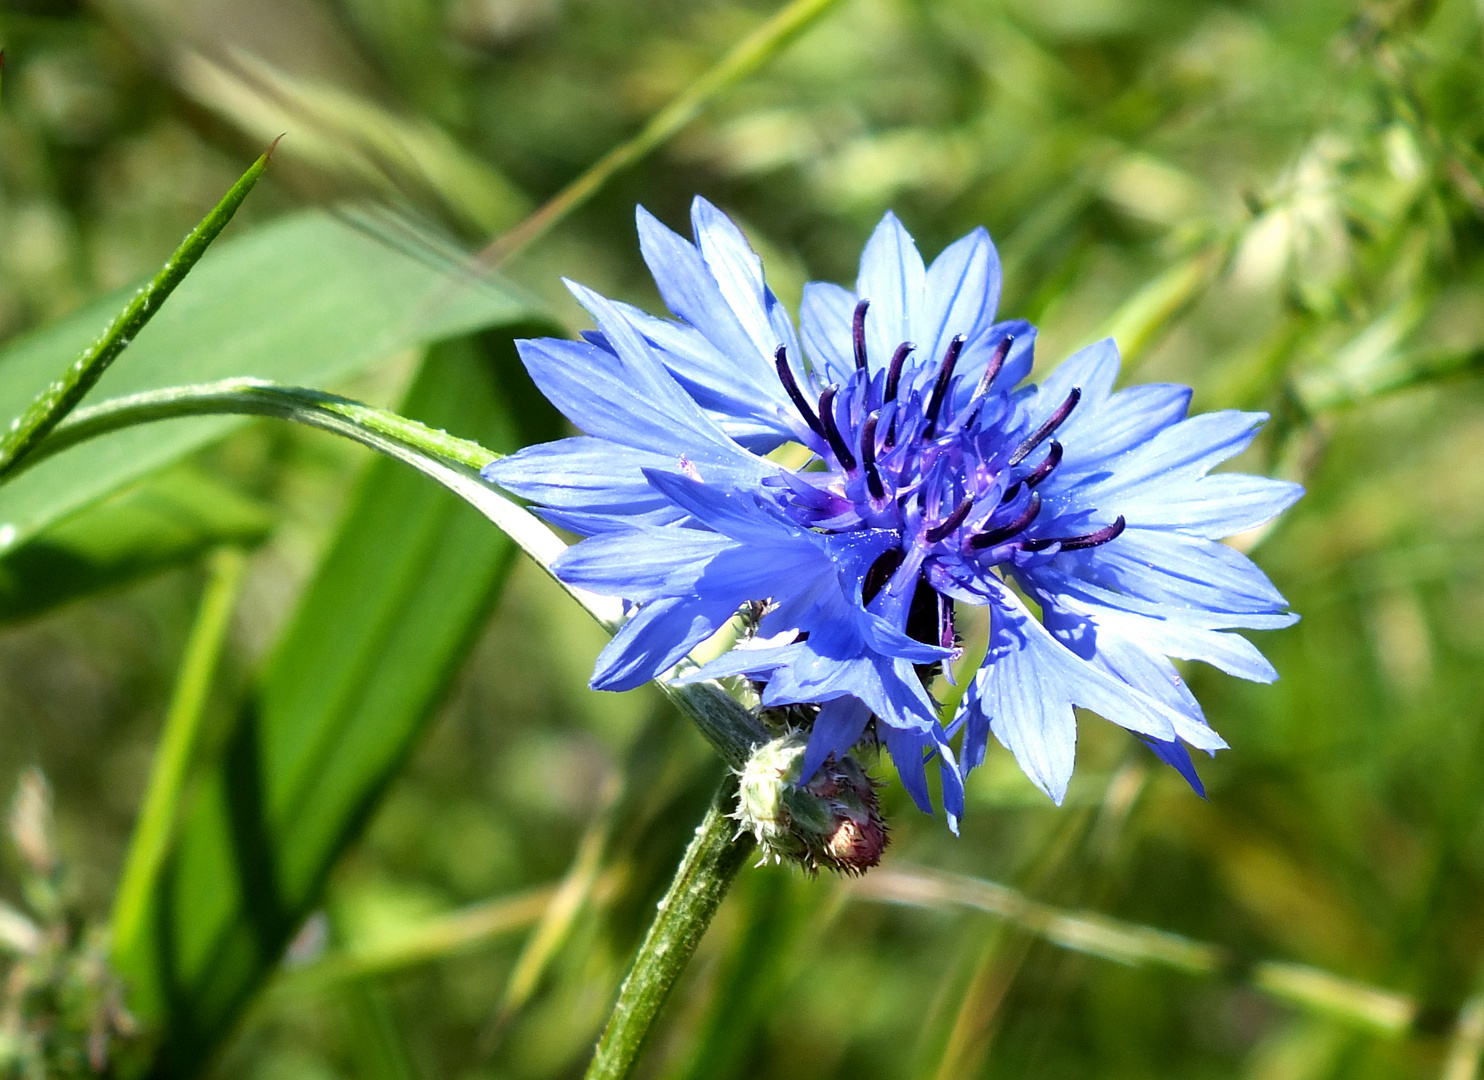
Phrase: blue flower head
[935,481]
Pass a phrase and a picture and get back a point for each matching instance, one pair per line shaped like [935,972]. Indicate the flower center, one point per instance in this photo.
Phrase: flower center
[950,471]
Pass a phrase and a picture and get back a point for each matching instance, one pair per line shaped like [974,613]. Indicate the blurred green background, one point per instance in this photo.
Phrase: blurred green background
[1280,204]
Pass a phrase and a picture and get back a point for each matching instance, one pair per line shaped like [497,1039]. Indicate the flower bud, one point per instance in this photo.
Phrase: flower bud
[834,820]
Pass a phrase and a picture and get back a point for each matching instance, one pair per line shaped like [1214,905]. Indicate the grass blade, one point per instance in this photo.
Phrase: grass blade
[767,41]
[62,396]
[157,816]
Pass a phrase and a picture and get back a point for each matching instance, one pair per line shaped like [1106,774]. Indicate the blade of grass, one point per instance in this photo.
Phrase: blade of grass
[1466,1048]
[62,396]
[747,56]
[175,518]
[157,815]
[558,918]
[1097,935]
[436,939]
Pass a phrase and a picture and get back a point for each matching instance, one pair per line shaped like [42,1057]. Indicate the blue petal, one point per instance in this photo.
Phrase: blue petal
[826,321]
[1097,432]
[583,473]
[1229,652]
[1028,684]
[748,403]
[649,381]
[691,291]
[961,292]
[978,351]
[1175,754]
[1093,369]
[737,514]
[892,277]
[738,273]
[838,727]
[1212,507]
[639,564]
[1175,569]
[1183,452]
[655,638]
[1055,581]
[907,754]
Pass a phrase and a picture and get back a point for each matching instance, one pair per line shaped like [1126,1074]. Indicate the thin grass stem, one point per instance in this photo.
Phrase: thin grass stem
[1307,987]
[172,761]
[62,396]
[747,56]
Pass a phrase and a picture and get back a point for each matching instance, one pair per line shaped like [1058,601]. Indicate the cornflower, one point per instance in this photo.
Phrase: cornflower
[936,480]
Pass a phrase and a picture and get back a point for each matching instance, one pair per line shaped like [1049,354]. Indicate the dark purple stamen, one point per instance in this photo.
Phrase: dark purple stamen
[894,371]
[832,429]
[1055,421]
[1010,493]
[1043,470]
[945,528]
[786,376]
[992,369]
[868,456]
[1097,537]
[1004,532]
[940,388]
[858,334]
[1086,540]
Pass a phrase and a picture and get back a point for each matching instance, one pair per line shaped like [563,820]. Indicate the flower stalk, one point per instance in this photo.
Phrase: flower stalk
[700,884]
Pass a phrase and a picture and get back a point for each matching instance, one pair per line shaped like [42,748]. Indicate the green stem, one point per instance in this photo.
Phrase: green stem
[62,396]
[177,744]
[701,882]
[746,57]
[255,397]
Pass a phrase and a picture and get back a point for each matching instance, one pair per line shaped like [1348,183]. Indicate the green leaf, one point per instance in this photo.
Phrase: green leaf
[168,520]
[307,299]
[390,614]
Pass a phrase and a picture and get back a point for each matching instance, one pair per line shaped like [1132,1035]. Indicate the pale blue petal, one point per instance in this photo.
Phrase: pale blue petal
[692,293]
[839,726]
[655,638]
[1212,507]
[1096,433]
[747,403]
[639,564]
[826,322]
[1184,451]
[892,277]
[1177,570]
[583,473]
[962,290]
[1093,370]
[738,273]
